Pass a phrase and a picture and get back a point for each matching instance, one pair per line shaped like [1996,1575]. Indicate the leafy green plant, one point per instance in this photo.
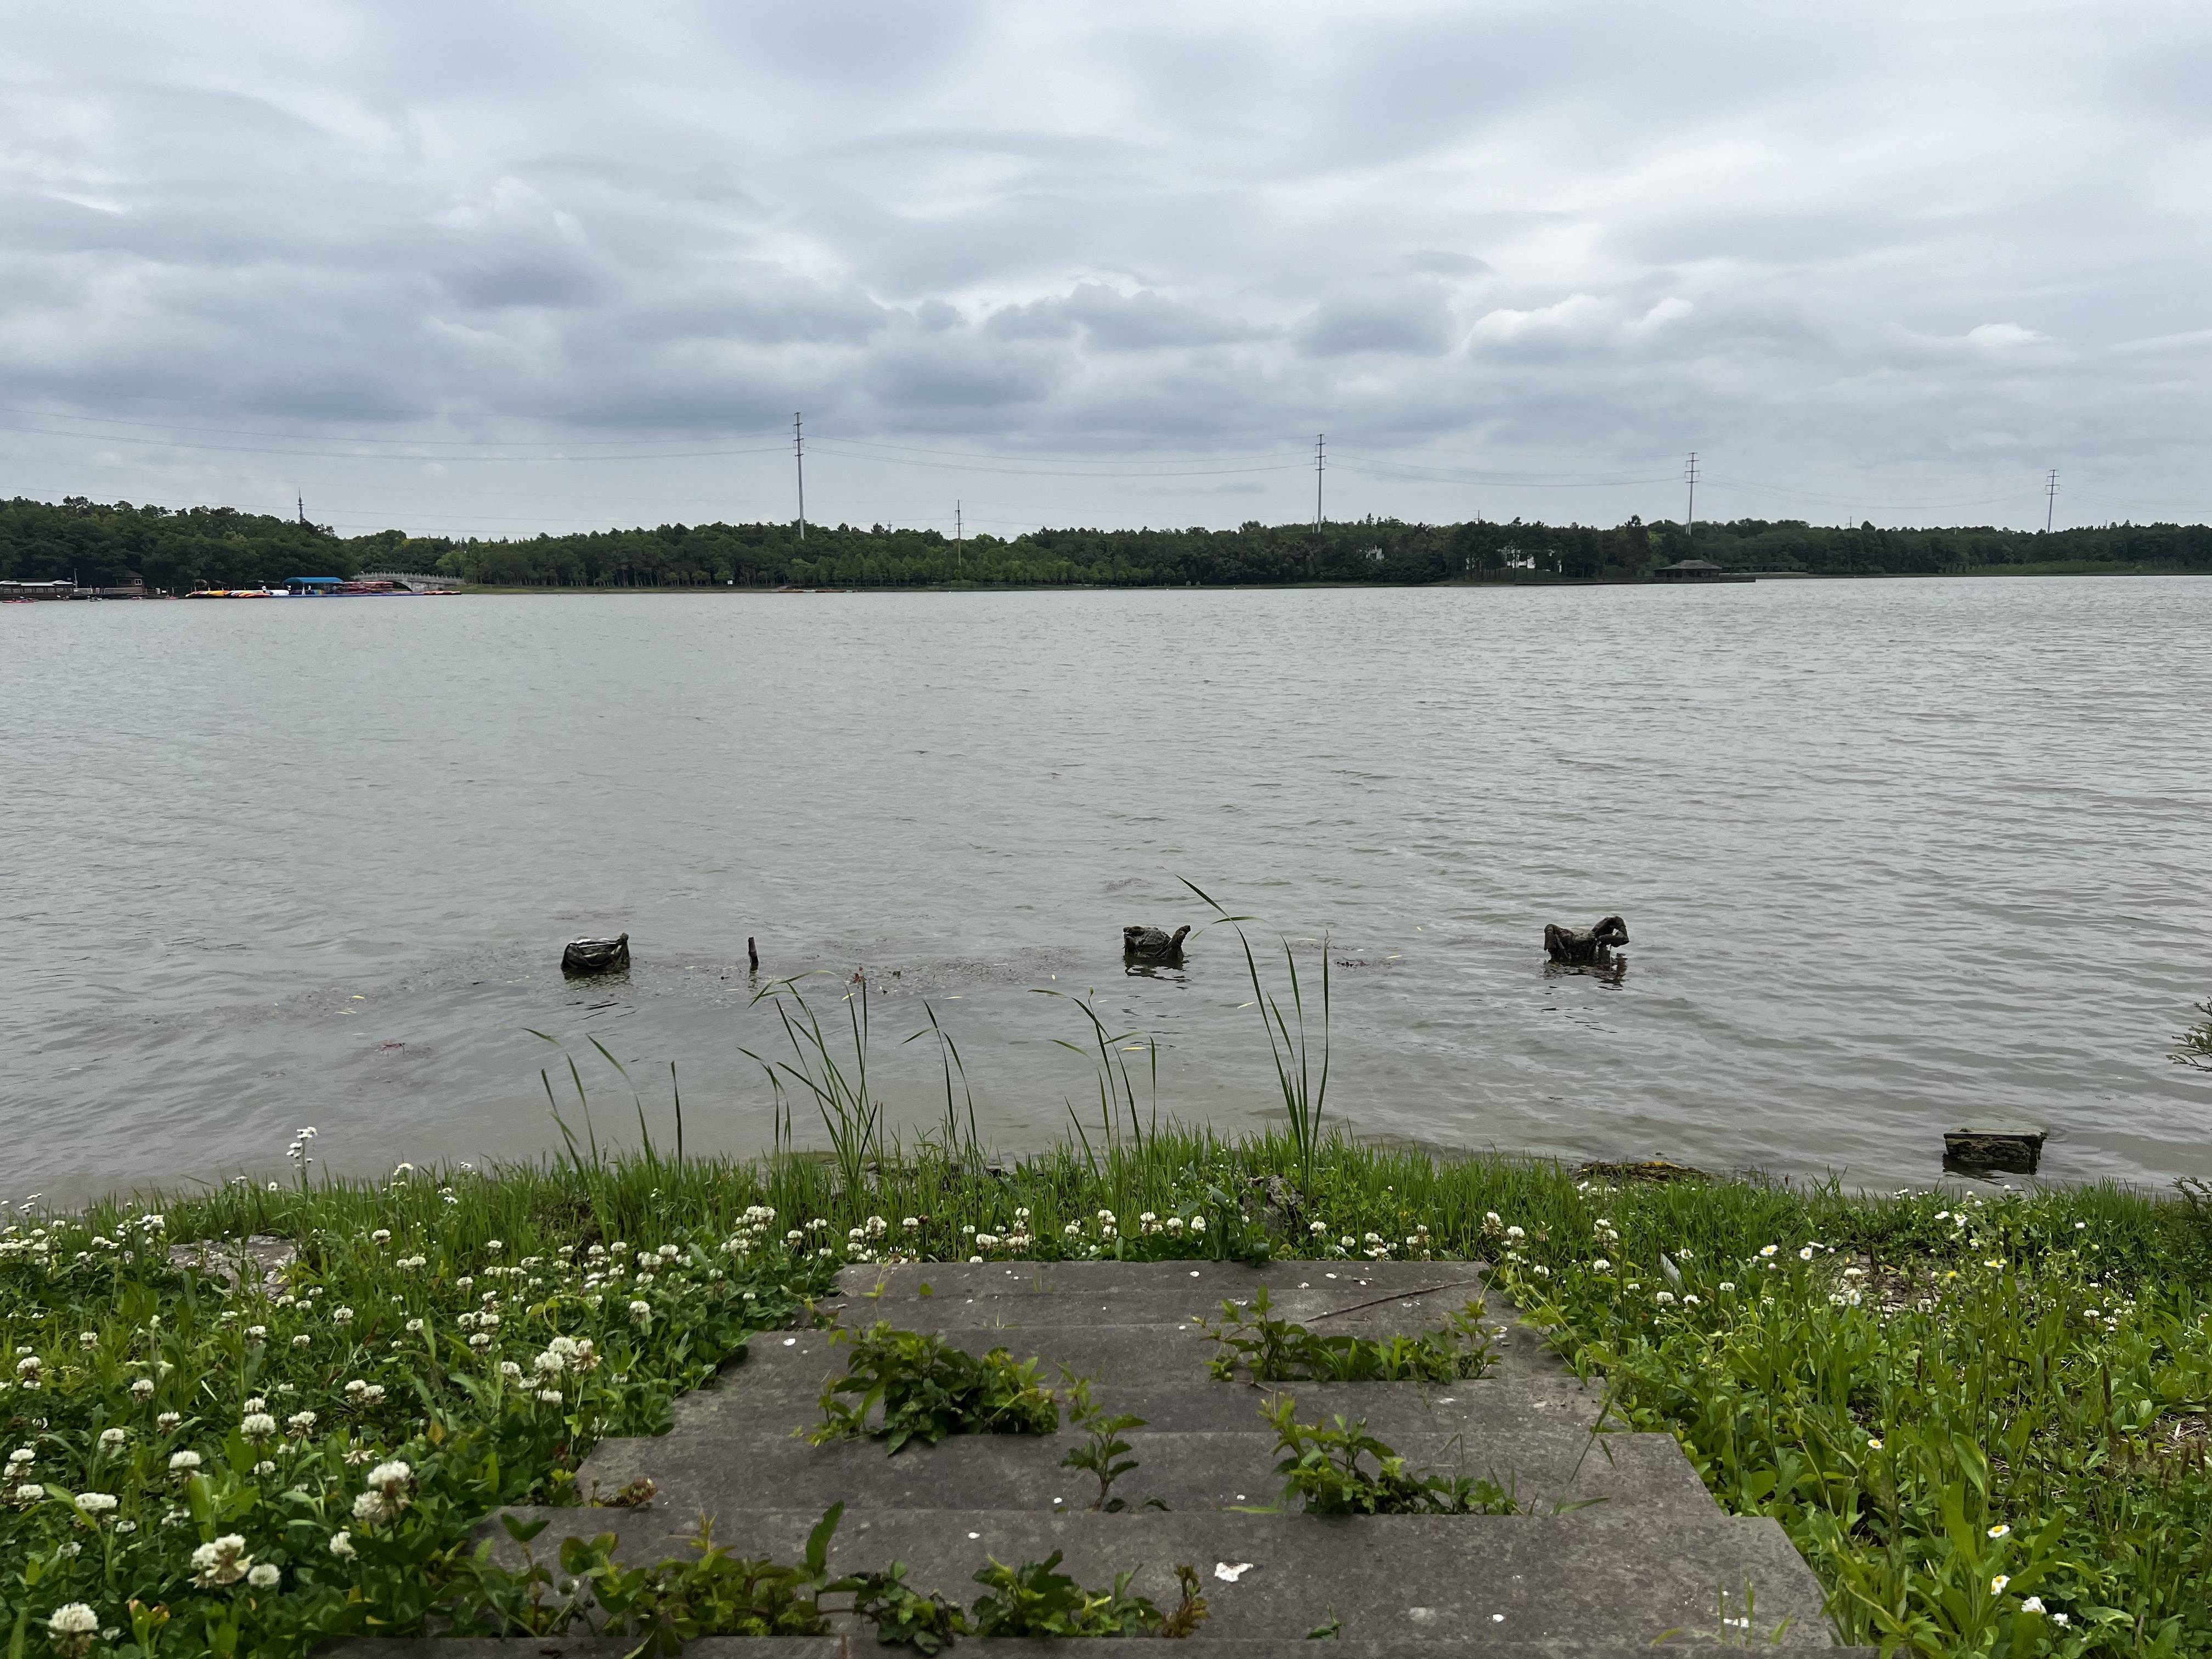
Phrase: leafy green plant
[909,1385]
[668,1604]
[903,1616]
[1037,1600]
[1190,1611]
[1279,1351]
[1104,1455]
[1324,1467]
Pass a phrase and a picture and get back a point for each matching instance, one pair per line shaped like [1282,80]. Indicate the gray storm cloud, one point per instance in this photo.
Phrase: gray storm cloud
[1889,261]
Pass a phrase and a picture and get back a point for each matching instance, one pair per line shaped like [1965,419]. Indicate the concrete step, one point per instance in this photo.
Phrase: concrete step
[1542,1464]
[1591,1578]
[1409,1296]
[786,1373]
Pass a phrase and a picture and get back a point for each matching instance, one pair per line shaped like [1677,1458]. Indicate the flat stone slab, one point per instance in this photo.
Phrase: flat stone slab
[1154,1292]
[1540,1464]
[1126,1364]
[1586,1577]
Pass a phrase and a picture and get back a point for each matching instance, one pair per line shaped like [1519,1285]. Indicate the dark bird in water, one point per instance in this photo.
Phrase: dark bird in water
[1150,945]
[1585,947]
[595,955]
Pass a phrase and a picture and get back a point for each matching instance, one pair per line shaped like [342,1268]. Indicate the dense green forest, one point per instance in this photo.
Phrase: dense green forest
[176,550]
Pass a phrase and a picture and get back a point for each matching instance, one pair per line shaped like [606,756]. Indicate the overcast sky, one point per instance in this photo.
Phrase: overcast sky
[479,269]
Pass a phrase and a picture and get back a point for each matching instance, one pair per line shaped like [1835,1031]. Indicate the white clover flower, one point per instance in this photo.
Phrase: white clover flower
[223,1562]
[1491,1218]
[112,1439]
[29,1365]
[1515,1234]
[510,1370]
[342,1546]
[549,1396]
[641,1311]
[1602,1265]
[142,1388]
[88,1339]
[480,1340]
[166,1421]
[1198,1224]
[414,1327]
[257,1425]
[72,1626]
[1318,1229]
[341,1315]
[264,1467]
[300,1423]
[1664,1298]
[302,1341]
[96,1502]
[184,1462]
[1727,1284]
[263,1576]
[29,1493]
[493,1246]
[381,1236]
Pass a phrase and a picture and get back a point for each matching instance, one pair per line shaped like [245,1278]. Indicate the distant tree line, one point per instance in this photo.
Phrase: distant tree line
[177,551]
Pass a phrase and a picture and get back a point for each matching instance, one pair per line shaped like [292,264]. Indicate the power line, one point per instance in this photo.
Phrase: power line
[342,455]
[355,438]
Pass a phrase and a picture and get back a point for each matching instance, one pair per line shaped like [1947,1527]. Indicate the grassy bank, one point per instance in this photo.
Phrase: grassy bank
[1984,1420]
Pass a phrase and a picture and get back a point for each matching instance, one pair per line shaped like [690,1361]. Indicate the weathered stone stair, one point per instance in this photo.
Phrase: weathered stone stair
[1620,1545]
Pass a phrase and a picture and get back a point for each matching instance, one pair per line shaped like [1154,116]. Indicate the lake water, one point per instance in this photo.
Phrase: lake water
[1896,857]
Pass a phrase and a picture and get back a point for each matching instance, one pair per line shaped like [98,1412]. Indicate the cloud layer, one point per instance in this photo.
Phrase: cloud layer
[456,266]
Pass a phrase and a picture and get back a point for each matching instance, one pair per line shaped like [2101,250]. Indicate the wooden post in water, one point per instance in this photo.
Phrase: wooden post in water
[752,954]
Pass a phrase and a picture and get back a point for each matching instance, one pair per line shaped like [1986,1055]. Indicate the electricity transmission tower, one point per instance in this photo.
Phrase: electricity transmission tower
[2050,498]
[1690,477]
[799,459]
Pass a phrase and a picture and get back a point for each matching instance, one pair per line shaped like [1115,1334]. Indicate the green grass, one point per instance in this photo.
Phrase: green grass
[2037,1362]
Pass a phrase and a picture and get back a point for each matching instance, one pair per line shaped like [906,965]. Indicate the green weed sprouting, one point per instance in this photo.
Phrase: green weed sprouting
[909,1385]
[851,1116]
[1104,1455]
[669,1603]
[1324,1467]
[1277,1351]
[1304,1090]
[1037,1600]
[906,1616]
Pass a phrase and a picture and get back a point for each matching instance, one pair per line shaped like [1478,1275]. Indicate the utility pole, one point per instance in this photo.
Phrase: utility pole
[1320,443]
[799,459]
[2050,498]
[959,539]
[1690,477]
